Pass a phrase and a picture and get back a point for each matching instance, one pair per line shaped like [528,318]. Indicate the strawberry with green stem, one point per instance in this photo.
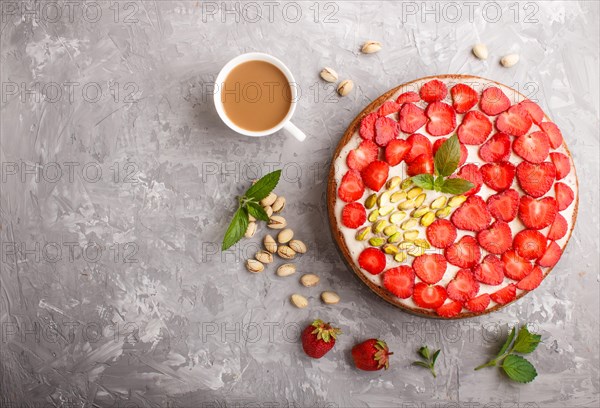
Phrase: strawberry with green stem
[318,338]
[371,355]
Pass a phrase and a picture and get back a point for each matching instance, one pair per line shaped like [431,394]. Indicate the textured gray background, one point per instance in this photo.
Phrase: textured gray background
[161,318]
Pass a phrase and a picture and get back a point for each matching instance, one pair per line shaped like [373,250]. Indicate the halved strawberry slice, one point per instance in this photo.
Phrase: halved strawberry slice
[471,173]
[464,254]
[367,126]
[408,97]
[551,255]
[503,206]
[441,233]
[530,244]
[489,271]
[375,175]
[498,176]
[536,179]
[533,147]
[464,153]
[449,309]
[472,215]
[505,295]
[351,187]
[515,121]
[395,151]
[535,112]
[372,260]
[429,297]
[400,281]
[493,101]
[531,281]
[419,145]
[562,164]
[558,229]
[354,215]
[430,267]
[496,148]
[421,165]
[411,118]
[478,304]
[463,287]
[386,130]
[554,134]
[537,214]
[497,239]
[463,98]
[433,91]
[442,119]
[387,108]
[474,129]
[564,195]
[515,266]
[361,157]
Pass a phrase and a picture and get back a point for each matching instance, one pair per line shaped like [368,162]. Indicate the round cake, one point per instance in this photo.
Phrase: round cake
[452,196]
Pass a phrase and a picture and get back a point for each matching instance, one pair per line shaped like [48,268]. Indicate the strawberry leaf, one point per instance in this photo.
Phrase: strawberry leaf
[456,186]
[264,186]
[508,342]
[447,157]
[236,230]
[526,342]
[519,369]
[424,181]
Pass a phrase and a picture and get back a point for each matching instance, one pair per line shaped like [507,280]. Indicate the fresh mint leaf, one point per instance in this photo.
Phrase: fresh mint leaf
[236,230]
[519,369]
[508,342]
[264,186]
[256,211]
[526,342]
[447,157]
[456,186]
[438,183]
[424,181]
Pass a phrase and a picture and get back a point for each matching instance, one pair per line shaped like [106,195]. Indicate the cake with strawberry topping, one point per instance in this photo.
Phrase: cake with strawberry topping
[452,196]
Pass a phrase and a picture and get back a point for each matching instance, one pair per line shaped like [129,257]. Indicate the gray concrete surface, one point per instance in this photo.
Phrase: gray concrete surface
[118,181]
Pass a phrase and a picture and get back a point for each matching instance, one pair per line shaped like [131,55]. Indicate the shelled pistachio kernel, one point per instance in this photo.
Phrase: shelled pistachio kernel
[373,216]
[383,199]
[397,217]
[443,213]
[362,233]
[400,257]
[438,203]
[413,192]
[406,183]
[456,201]
[397,237]
[420,199]
[299,301]
[393,182]
[419,212]
[411,235]
[390,249]
[409,224]
[371,201]
[422,243]
[330,298]
[386,210]
[376,241]
[406,245]
[309,280]
[398,196]
[416,251]
[406,205]
[390,230]
[428,219]
[379,226]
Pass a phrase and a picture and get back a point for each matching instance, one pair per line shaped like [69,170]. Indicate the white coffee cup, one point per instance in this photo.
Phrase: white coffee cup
[285,123]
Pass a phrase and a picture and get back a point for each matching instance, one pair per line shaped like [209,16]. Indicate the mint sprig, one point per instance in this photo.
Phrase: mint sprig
[445,163]
[429,362]
[249,204]
[516,367]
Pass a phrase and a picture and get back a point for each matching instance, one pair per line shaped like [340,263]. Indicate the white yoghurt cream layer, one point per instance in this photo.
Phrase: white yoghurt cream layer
[355,247]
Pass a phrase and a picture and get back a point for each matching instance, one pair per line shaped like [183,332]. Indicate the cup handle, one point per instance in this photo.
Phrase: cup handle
[294,131]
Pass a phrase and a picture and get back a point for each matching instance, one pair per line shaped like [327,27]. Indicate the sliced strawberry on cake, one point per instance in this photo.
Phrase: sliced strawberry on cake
[362,156]
[400,281]
[496,149]
[463,98]
[386,130]
[375,175]
[429,296]
[474,129]
[463,287]
[493,101]
[442,119]
[395,151]
[352,187]
[411,118]
[498,176]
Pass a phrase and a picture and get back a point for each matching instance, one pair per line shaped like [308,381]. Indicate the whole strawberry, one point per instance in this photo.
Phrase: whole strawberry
[318,338]
[371,355]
